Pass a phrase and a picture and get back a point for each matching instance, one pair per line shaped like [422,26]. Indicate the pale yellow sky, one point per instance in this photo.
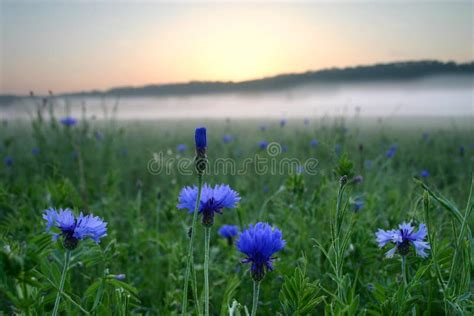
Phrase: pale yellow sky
[73,46]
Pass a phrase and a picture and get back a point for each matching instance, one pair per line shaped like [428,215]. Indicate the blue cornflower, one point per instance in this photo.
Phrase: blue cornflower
[425,136]
[227,138]
[120,277]
[213,200]
[201,148]
[402,238]
[263,128]
[357,179]
[200,138]
[229,232]
[299,169]
[259,243]
[35,151]
[74,228]
[306,121]
[68,121]
[262,144]
[338,149]
[391,151]
[8,161]
[424,173]
[313,142]
[181,148]
[357,204]
[282,122]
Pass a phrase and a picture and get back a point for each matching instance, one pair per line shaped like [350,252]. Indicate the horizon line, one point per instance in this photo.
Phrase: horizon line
[285,74]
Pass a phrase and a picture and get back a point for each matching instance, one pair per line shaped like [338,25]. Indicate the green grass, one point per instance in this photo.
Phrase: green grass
[147,236]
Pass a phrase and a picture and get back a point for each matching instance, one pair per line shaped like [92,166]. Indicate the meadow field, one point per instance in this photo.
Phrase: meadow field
[327,183]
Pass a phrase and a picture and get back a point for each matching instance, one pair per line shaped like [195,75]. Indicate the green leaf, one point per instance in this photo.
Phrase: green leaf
[298,296]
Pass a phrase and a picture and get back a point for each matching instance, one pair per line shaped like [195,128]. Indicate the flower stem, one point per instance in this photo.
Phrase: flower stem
[404,271]
[336,236]
[189,261]
[256,290]
[207,241]
[67,257]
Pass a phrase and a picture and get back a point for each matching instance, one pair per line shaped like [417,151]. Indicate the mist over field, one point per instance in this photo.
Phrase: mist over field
[433,96]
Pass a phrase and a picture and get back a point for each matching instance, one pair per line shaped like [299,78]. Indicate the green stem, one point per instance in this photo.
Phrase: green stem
[458,245]
[207,241]
[25,297]
[404,271]
[256,290]
[189,261]
[67,257]
[195,291]
[336,239]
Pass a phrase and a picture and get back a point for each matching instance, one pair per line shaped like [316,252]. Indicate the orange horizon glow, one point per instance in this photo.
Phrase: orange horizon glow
[52,48]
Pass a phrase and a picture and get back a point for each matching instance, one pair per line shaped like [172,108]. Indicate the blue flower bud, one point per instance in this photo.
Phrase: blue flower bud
[200,137]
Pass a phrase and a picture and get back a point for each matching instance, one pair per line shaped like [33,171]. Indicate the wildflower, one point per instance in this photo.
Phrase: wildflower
[8,161]
[357,204]
[213,200]
[282,122]
[35,151]
[259,243]
[120,277]
[227,139]
[425,136]
[306,121]
[229,232]
[403,238]
[357,179]
[313,142]
[201,146]
[181,148]
[338,149]
[299,169]
[263,128]
[74,228]
[391,151]
[262,144]
[200,138]
[68,121]
[424,173]
[461,151]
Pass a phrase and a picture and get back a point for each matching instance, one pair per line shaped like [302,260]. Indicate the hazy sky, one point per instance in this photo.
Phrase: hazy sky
[84,45]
